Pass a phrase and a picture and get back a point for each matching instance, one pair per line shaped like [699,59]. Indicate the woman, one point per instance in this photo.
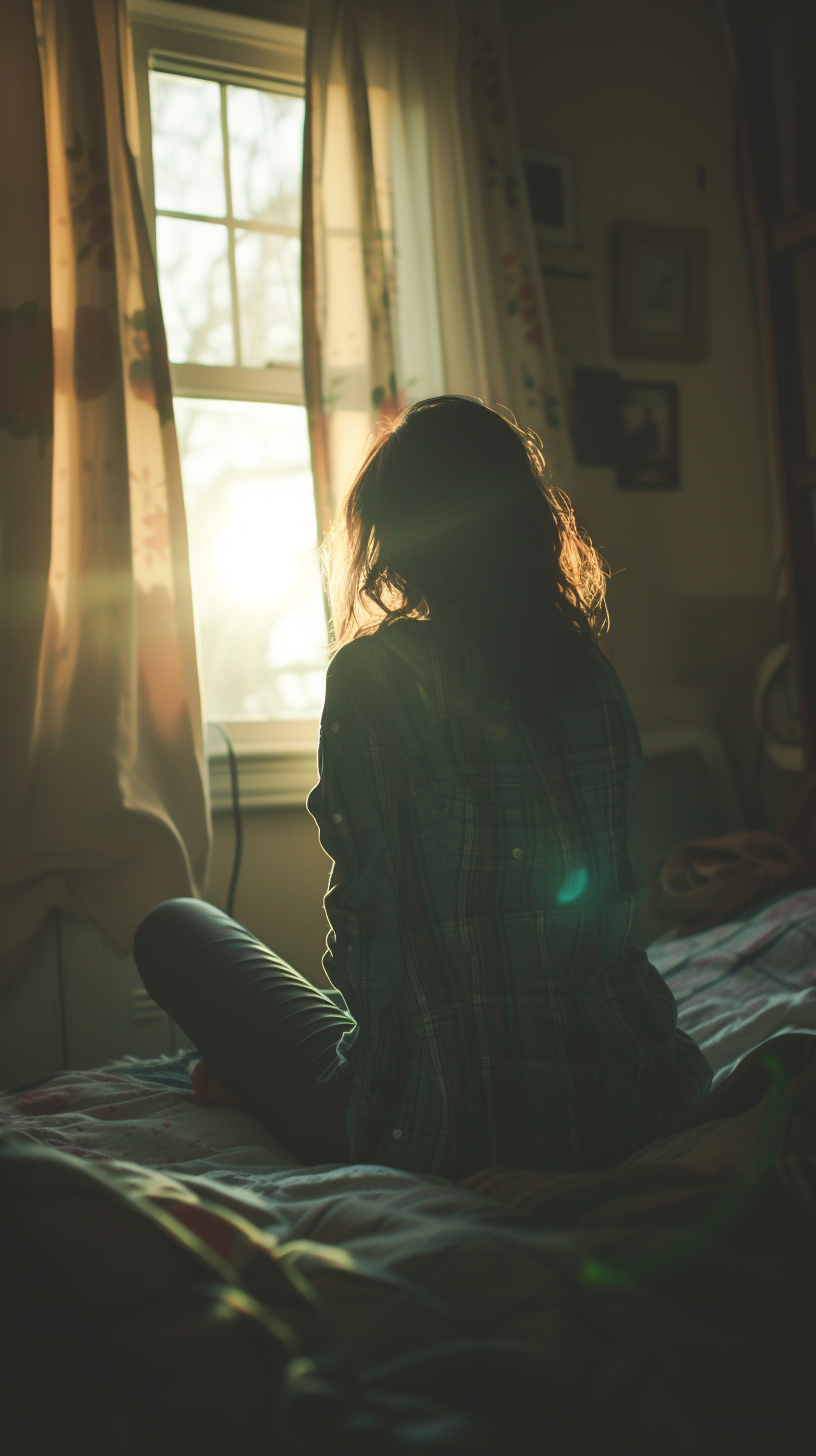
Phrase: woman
[477,757]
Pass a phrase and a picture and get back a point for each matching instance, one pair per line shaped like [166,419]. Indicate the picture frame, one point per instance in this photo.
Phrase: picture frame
[550,178]
[649,446]
[659,292]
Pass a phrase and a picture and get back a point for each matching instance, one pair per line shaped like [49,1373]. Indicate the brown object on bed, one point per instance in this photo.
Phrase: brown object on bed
[711,880]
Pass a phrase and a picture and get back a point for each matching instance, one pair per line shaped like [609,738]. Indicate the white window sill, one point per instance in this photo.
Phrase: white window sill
[277,764]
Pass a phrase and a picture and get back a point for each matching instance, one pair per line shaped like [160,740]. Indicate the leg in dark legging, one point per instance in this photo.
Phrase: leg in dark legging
[259,1024]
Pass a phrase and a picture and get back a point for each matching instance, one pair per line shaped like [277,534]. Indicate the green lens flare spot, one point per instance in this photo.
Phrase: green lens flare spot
[573,887]
[593,1272]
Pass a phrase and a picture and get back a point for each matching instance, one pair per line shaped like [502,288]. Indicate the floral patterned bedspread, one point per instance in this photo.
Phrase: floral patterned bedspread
[113,1113]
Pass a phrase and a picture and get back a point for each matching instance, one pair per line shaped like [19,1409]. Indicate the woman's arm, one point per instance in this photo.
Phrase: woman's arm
[349,803]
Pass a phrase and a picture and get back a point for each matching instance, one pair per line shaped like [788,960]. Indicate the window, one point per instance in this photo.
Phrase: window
[221,112]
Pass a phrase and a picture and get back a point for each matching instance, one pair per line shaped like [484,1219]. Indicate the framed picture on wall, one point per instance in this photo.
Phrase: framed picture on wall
[659,292]
[648,449]
[550,180]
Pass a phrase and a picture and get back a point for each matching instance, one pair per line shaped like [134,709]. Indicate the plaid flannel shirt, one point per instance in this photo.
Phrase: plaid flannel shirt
[481,905]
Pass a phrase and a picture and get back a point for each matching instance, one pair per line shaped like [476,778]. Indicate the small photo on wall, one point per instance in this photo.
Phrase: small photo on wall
[550,178]
[649,446]
[659,292]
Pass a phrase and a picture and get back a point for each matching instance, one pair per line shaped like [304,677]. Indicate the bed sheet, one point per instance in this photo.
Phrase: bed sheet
[668,1295]
[143,1113]
[596,1313]
[738,984]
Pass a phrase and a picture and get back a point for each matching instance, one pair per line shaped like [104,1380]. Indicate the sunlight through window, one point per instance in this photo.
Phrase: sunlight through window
[226,181]
[253,542]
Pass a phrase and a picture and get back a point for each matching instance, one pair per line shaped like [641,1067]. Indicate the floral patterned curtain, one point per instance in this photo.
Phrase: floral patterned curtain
[420,269]
[102,772]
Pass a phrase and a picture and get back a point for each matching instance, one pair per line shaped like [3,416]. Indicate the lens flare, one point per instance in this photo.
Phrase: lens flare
[573,887]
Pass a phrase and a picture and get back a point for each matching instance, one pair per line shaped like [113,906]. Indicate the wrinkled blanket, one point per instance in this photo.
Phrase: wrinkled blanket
[738,984]
[663,1306]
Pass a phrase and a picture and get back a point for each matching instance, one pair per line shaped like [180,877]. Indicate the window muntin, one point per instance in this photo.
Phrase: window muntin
[226,169]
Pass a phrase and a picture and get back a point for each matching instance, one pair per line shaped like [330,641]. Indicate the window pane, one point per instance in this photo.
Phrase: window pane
[253,544]
[266,155]
[268,270]
[195,291]
[188,148]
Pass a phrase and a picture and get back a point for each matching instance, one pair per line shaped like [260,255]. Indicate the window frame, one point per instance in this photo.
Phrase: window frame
[277,756]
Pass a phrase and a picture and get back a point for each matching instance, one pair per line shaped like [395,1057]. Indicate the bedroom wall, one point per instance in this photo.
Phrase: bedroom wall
[639,91]
[282,883]
[641,94]
[77,1002]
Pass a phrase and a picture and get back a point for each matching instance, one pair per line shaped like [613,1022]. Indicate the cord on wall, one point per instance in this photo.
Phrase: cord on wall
[236,816]
[63,1012]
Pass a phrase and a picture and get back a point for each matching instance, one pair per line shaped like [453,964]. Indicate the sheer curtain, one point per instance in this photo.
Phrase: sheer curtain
[420,268]
[102,771]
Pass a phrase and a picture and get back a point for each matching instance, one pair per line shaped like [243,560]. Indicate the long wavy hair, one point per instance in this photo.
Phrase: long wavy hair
[451,516]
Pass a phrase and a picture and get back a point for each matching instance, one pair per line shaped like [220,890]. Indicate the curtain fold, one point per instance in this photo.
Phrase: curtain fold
[102,767]
[420,267]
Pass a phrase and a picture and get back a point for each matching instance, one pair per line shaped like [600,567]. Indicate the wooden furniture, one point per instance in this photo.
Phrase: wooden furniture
[774,44]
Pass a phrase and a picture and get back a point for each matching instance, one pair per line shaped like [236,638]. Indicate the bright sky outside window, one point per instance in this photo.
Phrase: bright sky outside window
[227,176]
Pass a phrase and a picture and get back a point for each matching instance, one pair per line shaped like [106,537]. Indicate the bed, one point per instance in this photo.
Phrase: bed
[666,1305]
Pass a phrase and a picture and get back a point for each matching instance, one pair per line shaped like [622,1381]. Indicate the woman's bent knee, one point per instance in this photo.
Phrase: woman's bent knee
[161,944]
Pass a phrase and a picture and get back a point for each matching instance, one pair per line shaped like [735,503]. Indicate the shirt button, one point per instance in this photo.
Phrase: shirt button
[337,818]
[517,853]
[335,727]
[397,1134]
